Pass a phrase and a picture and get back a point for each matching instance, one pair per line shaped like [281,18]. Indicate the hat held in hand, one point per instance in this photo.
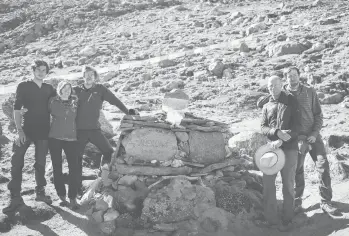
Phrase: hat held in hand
[268,160]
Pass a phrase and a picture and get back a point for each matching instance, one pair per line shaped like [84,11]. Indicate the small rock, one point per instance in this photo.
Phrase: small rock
[88,51]
[177,84]
[110,75]
[111,215]
[182,136]
[244,47]
[235,15]
[329,21]
[146,77]
[69,63]
[228,74]
[61,22]
[82,61]
[98,216]
[128,180]
[216,68]
[167,63]
[155,84]
[255,28]
[108,227]
[281,38]
[101,205]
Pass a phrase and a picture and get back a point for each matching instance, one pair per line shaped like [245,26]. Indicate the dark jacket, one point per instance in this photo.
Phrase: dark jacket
[311,117]
[90,105]
[281,114]
[36,121]
[63,113]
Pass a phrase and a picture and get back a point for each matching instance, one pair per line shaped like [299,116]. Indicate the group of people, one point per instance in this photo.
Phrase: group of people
[292,119]
[66,118]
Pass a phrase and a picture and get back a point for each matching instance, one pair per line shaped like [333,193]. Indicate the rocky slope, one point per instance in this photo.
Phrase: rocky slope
[219,52]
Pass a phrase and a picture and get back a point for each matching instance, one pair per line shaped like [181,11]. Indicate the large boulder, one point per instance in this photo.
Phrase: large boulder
[176,202]
[151,144]
[285,48]
[248,140]
[206,148]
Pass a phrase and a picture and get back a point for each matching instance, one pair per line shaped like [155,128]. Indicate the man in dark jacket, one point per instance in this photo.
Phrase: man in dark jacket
[91,96]
[311,120]
[280,125]
[32,95]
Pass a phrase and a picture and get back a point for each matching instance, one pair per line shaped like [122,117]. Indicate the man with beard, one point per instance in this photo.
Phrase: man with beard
[91,96]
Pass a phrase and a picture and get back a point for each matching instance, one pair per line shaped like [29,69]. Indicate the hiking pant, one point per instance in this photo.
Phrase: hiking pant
[17,164]
[318,154]
[288,173]
[70,148]
[97,138]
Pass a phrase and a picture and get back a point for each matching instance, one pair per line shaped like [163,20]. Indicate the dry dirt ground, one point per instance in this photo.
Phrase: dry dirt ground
[116,32]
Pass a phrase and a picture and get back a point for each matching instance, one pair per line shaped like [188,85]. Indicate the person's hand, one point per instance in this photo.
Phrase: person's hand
[133,112]
[276,144]
[283,135]
[311,139]
[23,111]
[21,138]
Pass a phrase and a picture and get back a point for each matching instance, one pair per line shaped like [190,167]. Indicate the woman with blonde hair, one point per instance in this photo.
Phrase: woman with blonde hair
[62,136]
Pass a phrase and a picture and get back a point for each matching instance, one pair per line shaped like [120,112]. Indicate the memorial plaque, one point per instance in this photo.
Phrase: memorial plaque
[206,148]
[151,144]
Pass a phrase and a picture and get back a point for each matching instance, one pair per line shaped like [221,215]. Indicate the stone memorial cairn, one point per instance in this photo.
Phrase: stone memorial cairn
[173,178]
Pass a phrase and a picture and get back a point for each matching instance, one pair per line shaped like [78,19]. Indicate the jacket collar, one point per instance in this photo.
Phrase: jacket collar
[283,98]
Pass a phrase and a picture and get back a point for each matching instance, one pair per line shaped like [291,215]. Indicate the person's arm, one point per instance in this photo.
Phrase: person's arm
[17,106]
[263,100]
[266,130]
[318,116]
[294,120]
[113,100]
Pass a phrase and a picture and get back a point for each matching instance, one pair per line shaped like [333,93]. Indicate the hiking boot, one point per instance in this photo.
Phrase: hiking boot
[63,201]
[329,209]
[74,205]
[286,226]
[42,197]
[15,202]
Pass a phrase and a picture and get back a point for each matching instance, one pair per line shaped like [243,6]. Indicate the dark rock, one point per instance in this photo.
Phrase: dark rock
[176,202]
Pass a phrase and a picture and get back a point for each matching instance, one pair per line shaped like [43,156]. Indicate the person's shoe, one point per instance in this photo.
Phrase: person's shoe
[74,205]
[63,201]
[298,209]
[329,209]
[15,202]
[286,226]
[42,197]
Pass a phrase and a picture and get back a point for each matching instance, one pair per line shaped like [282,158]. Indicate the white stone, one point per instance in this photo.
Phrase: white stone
[110,215]
[88,51]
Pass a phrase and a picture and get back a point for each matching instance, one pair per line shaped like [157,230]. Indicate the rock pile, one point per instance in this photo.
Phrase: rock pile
[165,177]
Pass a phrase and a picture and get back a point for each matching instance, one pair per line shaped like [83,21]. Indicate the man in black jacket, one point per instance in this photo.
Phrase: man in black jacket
[280,125]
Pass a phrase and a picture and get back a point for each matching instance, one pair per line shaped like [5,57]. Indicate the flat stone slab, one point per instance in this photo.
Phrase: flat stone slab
[205,147]
[151,144]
